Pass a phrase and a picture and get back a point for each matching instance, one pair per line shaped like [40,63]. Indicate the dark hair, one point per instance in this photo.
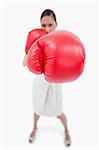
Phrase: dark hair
[48,12]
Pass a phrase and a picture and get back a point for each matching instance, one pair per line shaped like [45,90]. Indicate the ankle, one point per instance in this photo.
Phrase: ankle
[35,128]
[66,130]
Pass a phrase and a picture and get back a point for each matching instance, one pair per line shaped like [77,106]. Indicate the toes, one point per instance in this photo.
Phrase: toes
[30,141]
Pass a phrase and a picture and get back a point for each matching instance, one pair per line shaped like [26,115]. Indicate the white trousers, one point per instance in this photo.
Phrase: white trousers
[47,97]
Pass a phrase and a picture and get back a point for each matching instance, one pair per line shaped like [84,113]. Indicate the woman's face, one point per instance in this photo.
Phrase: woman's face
[48,24]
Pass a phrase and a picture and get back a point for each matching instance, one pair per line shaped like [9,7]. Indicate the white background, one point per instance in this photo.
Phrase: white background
[79,97]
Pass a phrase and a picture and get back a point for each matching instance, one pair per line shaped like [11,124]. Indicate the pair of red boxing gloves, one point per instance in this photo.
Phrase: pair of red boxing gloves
[60,55]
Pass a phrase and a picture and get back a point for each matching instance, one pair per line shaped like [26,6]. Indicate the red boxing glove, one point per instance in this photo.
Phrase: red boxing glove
[59,54]
[32,37]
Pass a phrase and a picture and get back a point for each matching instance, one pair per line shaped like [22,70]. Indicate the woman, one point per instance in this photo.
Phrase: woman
[48,100]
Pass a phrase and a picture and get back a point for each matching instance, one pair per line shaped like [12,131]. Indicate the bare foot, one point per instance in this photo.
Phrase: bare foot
[67,139]
[32,135]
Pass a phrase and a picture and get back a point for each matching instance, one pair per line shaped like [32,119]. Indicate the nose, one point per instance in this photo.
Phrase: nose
[47,29]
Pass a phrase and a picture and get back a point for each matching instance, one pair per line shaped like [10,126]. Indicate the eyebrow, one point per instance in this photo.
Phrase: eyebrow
[45,24]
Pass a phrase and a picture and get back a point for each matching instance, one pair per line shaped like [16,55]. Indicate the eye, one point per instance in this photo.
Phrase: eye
[43,25]
[50,25]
